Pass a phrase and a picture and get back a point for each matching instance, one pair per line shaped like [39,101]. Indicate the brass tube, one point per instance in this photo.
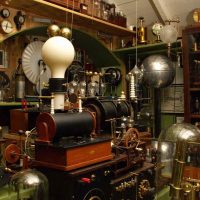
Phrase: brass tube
[178,167]
[175,192]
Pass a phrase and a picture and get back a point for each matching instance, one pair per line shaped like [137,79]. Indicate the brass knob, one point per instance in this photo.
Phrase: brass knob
[144,187]
[106,173]
[66,32]
[53,30]
[93,177]
[119,188]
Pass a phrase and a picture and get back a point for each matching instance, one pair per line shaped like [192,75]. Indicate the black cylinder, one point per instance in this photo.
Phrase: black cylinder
[57,85]
[66,124]
[107,110]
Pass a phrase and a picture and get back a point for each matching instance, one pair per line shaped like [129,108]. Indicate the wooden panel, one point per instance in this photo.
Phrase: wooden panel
[18,120]
[72,4]
[73,158]
[88,152]
[192,172]
[56,12]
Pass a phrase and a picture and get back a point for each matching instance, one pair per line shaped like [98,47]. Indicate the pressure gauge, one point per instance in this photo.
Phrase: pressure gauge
[19,20]
[156,29]
[6,26]
[196,15]
[5,13]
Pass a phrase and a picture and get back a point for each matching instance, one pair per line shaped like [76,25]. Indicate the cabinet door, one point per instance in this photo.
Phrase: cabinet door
[191,62]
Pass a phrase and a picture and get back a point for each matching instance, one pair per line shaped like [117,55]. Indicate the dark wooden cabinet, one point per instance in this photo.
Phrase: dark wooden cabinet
[191,64]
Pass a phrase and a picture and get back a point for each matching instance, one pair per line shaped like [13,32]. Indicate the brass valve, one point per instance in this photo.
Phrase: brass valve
[106,173]
[144,188]
[124,185]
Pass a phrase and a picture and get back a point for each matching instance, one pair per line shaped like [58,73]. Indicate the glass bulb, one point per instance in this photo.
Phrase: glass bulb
[73,86]
[82,88]
[103,89]
[168,34]
[92,88]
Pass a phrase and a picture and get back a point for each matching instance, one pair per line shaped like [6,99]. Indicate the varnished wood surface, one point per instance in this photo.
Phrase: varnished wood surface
[72,158]
[56,12]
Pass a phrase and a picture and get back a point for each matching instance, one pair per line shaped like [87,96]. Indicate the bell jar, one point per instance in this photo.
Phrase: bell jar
[178,161]
[29,184]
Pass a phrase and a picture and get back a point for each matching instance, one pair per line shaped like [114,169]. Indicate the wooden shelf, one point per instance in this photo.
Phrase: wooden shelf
[14,104]
[59,13]
[147,49]
[197,116]
[194,89]
[195,52]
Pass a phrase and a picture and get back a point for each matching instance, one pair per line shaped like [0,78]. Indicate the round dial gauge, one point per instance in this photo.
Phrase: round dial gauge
[196,15]
[5,13]
[21,19]
[6,26]
[156,28]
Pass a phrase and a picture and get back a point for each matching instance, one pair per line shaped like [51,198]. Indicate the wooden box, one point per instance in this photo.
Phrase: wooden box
[21,120]
[71,4]
[67,159]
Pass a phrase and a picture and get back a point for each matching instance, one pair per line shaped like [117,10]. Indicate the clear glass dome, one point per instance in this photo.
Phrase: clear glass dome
[166,148]
[168,34]
[29,184]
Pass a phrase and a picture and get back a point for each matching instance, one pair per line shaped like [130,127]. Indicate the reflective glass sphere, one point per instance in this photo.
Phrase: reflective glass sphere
[30,184]
[166,145]
[168,34]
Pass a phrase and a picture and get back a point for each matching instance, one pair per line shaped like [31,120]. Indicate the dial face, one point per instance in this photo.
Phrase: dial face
[156,28]
[6,26]
[5,13]
[21,19]
[196,15]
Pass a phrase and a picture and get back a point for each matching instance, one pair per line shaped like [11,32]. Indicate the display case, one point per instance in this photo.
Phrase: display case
[191,64]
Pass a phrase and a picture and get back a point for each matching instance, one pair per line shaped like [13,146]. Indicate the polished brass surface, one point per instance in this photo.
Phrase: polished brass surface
[178,166]
[144,188]
[53,30]
[66,32]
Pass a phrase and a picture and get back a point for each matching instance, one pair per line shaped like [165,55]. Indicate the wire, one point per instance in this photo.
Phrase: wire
[72,20]
[136,15]
[126,3]
[27,146]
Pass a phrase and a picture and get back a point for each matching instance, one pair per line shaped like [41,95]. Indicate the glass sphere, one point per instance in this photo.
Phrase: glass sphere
[168,34]
[30,184]
[166,145]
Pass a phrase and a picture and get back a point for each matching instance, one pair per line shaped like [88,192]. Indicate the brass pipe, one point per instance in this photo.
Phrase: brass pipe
[178,166]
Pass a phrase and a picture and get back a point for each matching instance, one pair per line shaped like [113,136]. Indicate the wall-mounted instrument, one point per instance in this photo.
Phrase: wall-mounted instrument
[6,26]
[19,20]
[5,12]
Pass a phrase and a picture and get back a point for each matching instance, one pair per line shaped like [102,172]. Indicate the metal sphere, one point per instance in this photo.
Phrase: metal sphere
[53,30]
[158,71]
[65,32]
